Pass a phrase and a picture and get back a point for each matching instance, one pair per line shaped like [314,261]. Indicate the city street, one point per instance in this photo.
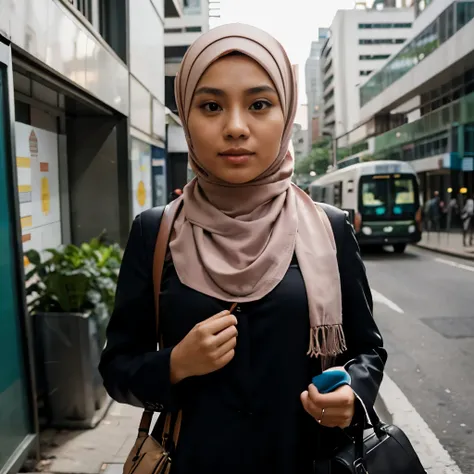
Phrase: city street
[424,308]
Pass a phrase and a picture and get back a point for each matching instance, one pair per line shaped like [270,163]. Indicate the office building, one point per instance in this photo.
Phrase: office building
[419,107]
[314,88]
[360,42]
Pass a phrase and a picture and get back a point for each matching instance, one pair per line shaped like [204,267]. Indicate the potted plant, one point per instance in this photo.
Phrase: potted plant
[70,295]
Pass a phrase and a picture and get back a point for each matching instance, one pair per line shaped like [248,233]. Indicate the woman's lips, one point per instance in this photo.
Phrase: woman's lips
[236,159]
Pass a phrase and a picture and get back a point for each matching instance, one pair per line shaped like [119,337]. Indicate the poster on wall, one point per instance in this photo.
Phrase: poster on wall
[160,197]
[38,187]
[141,176]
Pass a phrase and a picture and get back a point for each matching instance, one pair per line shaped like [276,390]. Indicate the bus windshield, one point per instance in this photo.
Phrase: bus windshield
[391,197]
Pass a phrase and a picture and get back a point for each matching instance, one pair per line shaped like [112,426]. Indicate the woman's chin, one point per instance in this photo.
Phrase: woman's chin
[238,176]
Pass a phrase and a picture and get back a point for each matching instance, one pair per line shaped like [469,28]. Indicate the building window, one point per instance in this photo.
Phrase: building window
[370,57]
[173,30]
[377,26]
[112,21]
[192,7]
[365,73]
[193,29]
[85,7]
[382,41]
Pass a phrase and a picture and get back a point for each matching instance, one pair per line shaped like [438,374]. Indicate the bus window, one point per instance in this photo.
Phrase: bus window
[388,197]
[374,196]
[338,194]
[404,192]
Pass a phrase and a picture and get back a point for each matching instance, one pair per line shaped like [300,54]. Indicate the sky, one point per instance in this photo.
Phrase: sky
[294,23]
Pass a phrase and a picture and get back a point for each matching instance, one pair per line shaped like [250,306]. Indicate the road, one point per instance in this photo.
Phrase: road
[424,306]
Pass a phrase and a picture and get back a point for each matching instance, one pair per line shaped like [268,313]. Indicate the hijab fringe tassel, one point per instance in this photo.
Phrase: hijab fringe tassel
[327,341]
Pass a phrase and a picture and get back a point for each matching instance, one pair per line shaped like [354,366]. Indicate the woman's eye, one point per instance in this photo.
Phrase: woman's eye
[211,107]
[260,105]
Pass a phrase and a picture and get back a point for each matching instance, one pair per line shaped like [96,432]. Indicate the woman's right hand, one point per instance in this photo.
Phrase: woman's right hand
[208,347]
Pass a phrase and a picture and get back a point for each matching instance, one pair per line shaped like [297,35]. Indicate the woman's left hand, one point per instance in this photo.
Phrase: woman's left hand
[335,409]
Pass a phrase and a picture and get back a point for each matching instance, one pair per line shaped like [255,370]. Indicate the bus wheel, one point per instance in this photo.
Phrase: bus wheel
[399,248]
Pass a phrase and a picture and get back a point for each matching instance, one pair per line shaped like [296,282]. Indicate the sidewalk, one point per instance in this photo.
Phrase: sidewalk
[446,243]
[103,449]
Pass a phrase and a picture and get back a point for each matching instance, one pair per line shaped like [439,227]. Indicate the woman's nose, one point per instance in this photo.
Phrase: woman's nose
[236,125]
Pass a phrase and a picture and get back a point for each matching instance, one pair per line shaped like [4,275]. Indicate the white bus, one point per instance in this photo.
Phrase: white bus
[382,198]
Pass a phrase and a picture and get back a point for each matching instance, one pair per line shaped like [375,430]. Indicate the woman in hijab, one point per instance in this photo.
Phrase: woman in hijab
[245,236]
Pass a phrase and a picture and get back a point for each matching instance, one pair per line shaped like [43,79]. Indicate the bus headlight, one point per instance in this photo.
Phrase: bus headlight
[366,230]
[412,229]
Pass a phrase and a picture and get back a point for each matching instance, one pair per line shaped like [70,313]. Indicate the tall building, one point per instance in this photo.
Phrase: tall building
[180,33]
[82,119]
[419,106]
[360,42]
[314,88]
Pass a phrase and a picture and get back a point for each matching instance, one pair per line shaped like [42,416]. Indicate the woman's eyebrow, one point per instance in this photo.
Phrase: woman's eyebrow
[260,89]
[220,92]
[209,90]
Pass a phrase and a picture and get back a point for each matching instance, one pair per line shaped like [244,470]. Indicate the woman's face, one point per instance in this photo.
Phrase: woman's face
[236,120]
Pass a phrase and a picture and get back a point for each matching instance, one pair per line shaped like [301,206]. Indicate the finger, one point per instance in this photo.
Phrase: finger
[217,316]
[225,348]
[309,406]
[217,325]
[340,397]
[224,336]
[225,359]
[332,419]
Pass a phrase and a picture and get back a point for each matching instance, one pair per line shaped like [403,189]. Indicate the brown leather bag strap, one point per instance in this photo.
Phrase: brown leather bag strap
[166,225]
[161,247]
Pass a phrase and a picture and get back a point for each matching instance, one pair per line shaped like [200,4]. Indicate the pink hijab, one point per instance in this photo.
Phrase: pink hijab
[236,242]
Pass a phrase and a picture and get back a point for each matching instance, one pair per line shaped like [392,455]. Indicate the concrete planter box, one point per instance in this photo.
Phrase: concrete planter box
[69,347]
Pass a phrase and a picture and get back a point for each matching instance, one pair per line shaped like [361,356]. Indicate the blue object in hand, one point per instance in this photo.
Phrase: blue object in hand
[329,380]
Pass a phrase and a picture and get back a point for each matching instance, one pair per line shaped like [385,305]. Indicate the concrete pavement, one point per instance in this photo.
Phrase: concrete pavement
[446,243]
[92,451]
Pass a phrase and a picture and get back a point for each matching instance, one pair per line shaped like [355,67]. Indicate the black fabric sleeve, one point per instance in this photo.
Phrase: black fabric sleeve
[365,356]
[134,372]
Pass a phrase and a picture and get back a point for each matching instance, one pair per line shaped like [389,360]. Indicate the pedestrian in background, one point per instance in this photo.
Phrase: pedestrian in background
[175,194]
[433,212]
[467,218]
[245,235]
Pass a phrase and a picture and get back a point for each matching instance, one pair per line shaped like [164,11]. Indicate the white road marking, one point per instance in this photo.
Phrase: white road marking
[469,268]
[379,298]
[433,456]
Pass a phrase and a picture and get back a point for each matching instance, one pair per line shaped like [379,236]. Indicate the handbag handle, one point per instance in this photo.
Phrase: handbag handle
[375,422]
[168,217]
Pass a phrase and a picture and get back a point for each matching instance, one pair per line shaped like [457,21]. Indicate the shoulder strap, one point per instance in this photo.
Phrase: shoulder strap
[170,213]
[168,217]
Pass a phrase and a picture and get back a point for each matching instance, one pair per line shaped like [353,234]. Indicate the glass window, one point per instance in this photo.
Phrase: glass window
[338,194]
[374,195]
[192,7]
[404,196]
[14,417]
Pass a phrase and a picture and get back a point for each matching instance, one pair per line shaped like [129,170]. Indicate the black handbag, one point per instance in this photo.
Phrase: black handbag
[381,449]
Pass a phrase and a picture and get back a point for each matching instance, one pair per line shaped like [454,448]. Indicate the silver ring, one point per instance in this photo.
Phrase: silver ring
[322,415]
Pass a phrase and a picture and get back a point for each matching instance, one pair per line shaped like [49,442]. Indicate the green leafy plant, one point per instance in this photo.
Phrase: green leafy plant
[74,279]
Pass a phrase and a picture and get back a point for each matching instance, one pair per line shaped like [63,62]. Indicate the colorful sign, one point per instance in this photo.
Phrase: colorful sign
[141,176]
[38,187]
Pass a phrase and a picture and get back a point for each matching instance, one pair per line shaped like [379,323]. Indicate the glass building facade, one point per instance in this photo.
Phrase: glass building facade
[451,20]
[17,430]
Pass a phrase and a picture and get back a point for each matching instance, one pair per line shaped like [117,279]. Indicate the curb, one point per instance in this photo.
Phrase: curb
[433,456]
[451,253]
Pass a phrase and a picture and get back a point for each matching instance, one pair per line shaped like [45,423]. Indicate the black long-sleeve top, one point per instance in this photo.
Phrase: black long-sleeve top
[246,417]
